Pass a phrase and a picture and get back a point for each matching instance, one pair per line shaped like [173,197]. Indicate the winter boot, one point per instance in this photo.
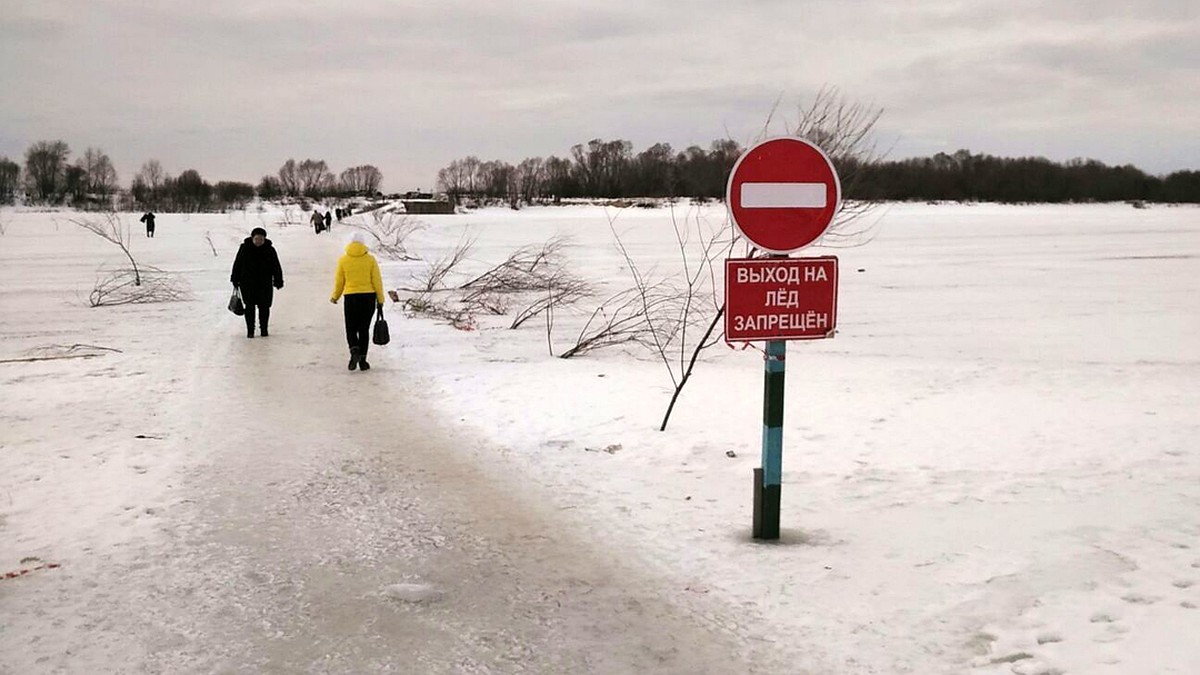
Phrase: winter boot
[362,363]
[353,358]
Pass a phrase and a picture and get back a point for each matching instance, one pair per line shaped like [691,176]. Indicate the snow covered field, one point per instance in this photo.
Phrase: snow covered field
[993,468]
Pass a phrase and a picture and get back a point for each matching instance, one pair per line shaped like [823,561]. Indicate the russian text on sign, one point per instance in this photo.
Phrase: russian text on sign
[781,275]
[810,320]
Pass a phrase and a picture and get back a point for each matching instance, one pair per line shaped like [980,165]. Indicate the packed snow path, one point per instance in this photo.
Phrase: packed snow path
[297,517]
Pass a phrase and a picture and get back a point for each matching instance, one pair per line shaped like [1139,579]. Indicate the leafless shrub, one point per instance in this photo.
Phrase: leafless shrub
[702,302]
[527,270]
[390,231]
[533,278]
[112,229]
[425,305]
[123,287]
[135,284]
[633,316]
[561,290]
[844,130]
[524,268]
[433,278]
[431,297]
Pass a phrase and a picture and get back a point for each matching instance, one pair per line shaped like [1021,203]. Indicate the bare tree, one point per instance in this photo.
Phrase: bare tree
[452,180]
[562,289]
[100,175]
[364,179]
[536,278]
[433,279]
[627,317]
[390,232]
[701,302]
[10,174]
[147,187]
[431,282]
[313,178]
[115,231]
[152,285]
[470,169]
[844,130]
[136,284]
[528,180]
[45,169]
[527,270]
[152,172]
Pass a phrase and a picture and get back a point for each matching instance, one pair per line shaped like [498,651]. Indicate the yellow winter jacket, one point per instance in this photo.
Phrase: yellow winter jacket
[357,272]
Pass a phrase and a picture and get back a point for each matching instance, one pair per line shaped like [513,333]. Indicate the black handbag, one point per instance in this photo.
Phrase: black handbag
[235,303]
[380,335]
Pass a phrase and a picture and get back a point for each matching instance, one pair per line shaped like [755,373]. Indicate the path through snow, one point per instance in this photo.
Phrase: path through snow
[284,515]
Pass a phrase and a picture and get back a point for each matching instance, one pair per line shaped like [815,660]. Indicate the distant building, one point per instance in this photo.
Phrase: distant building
[427,205]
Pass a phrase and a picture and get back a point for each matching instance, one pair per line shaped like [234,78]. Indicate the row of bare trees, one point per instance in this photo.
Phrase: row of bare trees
[50,177]
[964,176]
[599,168]
[312,178]
[153,188]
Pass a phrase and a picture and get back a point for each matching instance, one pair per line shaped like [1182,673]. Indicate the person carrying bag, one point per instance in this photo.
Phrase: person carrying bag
[358,278]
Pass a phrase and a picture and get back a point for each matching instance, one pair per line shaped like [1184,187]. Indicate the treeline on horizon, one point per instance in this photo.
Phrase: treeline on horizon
[610,169]
[48,177]
[599,169]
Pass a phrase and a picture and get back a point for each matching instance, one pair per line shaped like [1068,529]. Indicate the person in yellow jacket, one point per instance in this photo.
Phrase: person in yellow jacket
[358,278]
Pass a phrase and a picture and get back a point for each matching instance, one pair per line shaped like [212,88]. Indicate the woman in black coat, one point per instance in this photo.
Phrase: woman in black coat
[256,272]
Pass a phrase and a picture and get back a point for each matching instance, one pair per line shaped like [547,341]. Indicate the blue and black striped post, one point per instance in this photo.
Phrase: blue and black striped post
[767,479]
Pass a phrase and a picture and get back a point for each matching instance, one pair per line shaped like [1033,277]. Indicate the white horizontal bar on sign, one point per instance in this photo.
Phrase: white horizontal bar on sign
[783,195]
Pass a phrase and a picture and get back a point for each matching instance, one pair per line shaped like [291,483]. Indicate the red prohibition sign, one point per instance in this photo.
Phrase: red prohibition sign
[783,194]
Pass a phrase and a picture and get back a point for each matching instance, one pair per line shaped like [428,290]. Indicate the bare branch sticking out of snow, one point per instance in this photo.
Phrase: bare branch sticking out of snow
[122,287]
[390,232]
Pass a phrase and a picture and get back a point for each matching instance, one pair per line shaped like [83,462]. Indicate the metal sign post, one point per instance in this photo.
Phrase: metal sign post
[768,478]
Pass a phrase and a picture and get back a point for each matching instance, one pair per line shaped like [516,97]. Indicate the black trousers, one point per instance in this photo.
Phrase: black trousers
[264,318]
[359,308]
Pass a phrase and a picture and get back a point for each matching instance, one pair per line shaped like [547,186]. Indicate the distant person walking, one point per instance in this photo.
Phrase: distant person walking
[256,272]
[328,221]
[358,278]
[318,221]
[148,219]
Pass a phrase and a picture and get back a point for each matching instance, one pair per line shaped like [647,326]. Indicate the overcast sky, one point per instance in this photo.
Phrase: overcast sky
[233,88]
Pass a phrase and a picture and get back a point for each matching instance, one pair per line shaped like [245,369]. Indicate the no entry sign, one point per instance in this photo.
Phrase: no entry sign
[782,194]
[780,298]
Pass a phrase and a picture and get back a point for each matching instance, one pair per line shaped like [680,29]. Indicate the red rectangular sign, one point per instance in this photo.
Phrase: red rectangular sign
[780,298]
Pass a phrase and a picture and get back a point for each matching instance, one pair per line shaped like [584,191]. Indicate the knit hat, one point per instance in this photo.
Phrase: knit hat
[258,230]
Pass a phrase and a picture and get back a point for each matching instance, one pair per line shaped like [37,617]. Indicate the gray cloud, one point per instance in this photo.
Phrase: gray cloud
[234,87]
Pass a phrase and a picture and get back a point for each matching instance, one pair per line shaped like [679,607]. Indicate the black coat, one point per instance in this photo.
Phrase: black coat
[256,271]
